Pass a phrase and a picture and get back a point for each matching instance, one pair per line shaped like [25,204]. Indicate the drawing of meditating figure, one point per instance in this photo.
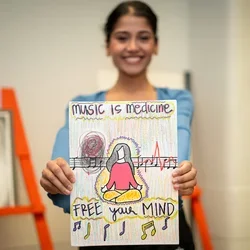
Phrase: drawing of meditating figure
[122,186]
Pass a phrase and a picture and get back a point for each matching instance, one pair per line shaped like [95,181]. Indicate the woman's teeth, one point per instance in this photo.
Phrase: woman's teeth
[135,59]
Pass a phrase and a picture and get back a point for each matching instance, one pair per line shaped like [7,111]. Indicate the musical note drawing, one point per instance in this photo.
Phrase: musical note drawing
[152,161]
[88,163]
[166,224]
[145,227]
[105,231]
[74,163]
[101,162]
[88,231]
[77,225]
[92,162]
[123,229]
[165,161]
[139,164]
[175,163]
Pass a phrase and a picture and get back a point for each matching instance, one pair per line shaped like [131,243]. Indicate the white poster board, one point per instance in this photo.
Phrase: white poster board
[123,155]
[7,194]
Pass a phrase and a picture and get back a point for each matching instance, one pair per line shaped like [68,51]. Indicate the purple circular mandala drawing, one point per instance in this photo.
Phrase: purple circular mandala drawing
[92,146]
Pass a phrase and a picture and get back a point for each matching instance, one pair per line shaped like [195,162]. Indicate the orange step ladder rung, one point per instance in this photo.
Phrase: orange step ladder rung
[20,210]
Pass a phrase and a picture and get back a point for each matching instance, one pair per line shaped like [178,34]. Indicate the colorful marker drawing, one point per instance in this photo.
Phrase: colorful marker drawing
[123,155]
[121,186]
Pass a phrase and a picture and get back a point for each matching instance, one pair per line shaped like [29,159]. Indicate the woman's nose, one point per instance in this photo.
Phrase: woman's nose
[132,45]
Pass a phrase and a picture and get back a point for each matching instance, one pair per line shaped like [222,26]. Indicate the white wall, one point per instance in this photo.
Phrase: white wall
[238,176]
[209,24]
[219,58]
[50,52]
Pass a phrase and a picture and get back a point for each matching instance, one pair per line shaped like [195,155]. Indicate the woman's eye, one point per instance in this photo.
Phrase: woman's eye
[122,38]
[144,38]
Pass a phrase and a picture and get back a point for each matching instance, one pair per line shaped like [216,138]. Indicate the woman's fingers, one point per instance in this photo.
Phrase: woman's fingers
[184,168]
[58,169]
[184,178]
[188,176]
[50,176]
[66,169]
[57,177]
[48,186]
[185,185]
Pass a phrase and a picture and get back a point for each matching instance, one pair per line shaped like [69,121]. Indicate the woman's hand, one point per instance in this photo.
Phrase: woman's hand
[184,178]
[57,177]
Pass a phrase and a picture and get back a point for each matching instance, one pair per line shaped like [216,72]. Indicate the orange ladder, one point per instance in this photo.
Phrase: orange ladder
[21,150]
[200,218]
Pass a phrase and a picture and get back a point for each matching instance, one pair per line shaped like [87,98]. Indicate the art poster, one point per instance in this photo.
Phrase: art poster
[123,155]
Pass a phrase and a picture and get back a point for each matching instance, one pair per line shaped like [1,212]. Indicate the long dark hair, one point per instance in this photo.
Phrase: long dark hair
[114,156]
[135,8]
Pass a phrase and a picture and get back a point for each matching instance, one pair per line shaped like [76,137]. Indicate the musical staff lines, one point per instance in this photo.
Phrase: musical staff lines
[139,162]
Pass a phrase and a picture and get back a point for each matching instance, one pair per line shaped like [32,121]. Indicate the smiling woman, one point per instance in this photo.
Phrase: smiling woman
[131,42]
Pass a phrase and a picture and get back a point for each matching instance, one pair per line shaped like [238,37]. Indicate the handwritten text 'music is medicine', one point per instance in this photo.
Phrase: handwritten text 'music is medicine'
[155,109]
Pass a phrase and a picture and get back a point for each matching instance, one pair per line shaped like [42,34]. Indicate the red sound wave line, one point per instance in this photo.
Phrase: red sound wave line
[155,155]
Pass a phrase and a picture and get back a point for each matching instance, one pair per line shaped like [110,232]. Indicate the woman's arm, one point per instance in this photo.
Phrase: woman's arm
[184,178]
[61,149]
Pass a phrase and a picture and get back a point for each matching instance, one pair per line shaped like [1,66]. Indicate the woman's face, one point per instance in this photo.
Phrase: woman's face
[132,44]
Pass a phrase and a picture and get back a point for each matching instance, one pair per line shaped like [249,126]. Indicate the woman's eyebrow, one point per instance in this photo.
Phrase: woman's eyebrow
[127,32]
[145,31]
[121,32]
